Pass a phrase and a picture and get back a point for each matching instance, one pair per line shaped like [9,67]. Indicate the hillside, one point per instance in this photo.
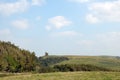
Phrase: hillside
[80,63]
[109,62]
[14,59]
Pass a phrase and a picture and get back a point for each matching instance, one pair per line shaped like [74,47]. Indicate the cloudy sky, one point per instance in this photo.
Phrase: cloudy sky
[62,27]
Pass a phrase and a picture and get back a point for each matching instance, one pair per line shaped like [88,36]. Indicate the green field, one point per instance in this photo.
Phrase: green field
[109,62]
[64,76]
[103,61]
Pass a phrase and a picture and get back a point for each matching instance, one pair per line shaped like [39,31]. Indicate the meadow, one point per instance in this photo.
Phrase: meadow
[63,76]
[110,62]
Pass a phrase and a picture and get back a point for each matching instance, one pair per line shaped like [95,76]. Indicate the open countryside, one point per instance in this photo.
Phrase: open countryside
[65,76]
[59,39]
[55,67]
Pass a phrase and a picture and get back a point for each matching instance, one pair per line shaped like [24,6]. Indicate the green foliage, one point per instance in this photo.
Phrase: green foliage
[79,67]
[51,60]
[14,59]
[47,70]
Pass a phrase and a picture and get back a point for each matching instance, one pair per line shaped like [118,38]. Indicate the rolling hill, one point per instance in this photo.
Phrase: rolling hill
[14,59]
[108,62]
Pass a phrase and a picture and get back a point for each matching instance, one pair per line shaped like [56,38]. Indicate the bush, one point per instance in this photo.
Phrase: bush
[80,67]
[51,60]
[46,70]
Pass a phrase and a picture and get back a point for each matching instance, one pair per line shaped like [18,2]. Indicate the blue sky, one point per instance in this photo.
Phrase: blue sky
[62,27]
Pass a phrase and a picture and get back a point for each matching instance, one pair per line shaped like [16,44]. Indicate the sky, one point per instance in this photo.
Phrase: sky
[62,27]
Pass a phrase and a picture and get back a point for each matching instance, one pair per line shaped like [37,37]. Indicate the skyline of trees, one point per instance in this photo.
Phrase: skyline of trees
[14,59]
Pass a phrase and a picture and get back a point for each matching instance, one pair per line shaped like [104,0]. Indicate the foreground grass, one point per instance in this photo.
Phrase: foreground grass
[64,76]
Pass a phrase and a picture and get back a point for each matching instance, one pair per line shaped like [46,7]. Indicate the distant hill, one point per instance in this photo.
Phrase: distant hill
[46,61]
[109,62]
[14,59]
[79,63]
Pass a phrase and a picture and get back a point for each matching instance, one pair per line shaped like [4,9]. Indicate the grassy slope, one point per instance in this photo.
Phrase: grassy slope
[66,76]
[103,61]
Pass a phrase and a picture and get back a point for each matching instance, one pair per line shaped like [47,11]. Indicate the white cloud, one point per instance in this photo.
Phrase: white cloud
[5,34]
[91,18]
[9,8]
[102,44]
[79,1]
[21,24]
[38,18]
[110,37]
[85,43]
[48,27]
[66,33]
[107,11]
[109,42]
[38,2]
[12,8]
[58,22]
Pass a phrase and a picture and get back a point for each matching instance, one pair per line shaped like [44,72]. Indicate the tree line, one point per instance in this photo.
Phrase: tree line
[14,59]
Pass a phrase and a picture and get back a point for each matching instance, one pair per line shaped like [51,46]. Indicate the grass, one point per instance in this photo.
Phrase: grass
[101,61]
[65,76]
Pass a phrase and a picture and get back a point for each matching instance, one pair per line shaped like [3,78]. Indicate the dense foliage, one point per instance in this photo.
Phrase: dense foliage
[80,67]
[51,60]
[72,68]
[47,63]
[14,59]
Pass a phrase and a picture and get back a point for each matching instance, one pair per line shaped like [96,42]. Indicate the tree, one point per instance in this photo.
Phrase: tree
[14,59]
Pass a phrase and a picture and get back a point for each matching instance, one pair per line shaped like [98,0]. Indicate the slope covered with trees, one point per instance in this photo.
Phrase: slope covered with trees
[14,59]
